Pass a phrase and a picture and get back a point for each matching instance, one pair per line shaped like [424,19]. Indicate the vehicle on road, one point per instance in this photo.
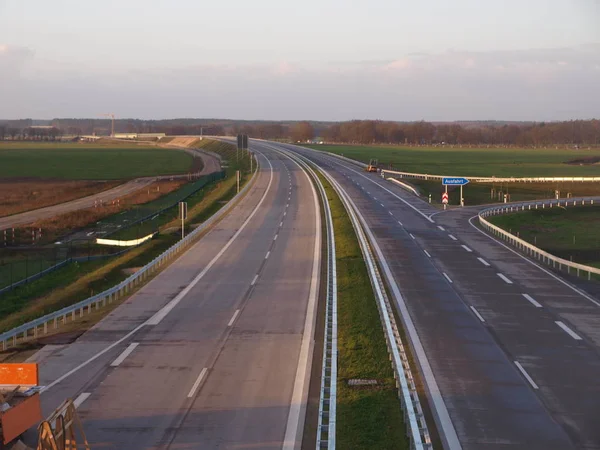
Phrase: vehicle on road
[372,167]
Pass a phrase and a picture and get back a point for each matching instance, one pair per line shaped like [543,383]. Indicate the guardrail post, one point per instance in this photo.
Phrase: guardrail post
[73,315]
[45,327]
[55,323]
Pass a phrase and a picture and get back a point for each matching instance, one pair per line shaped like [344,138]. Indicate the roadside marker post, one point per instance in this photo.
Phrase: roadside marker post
[237,177]
[445,197]
[183,210]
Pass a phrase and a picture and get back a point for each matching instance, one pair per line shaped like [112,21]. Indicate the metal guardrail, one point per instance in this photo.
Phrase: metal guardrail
[326,423]
[425,176]
[526,247]
[33,328]
[417,430]
[406,186]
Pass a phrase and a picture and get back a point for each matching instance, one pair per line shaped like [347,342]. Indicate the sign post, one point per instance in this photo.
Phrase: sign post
[183,210]
[242,144]
[454,181]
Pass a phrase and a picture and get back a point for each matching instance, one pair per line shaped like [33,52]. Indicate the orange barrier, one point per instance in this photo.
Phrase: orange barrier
[20,418]
[25,374]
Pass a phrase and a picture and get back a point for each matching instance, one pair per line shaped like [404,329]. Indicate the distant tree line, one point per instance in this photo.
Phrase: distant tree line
[528,134]
[578,132]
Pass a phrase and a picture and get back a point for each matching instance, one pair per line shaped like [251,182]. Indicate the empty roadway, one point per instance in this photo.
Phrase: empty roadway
[514,351]
[215,351]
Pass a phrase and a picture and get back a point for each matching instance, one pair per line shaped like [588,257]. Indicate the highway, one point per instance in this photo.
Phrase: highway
[215,352]
[509,351]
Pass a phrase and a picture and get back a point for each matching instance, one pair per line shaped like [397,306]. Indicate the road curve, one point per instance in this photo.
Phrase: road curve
[215,351]
[211,164]
[514,349]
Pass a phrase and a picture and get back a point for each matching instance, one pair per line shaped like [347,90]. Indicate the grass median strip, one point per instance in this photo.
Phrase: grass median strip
[369,416]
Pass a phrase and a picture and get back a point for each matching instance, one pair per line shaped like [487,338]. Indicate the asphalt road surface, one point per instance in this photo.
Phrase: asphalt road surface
[214,352]
[211,164]
[513,348]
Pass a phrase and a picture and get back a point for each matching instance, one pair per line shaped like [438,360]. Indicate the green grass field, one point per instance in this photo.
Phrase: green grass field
[367,417]
[75,161]
[570,232]
[499,162]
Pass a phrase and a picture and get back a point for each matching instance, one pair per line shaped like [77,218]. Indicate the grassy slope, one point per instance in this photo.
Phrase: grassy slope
[89,161]
[570,232]
[498,162]
[368,418]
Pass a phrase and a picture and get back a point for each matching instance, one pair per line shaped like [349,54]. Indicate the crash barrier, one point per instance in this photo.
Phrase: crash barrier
[417,430]
[474,179]
[529,249]
[43,325]
[406,186]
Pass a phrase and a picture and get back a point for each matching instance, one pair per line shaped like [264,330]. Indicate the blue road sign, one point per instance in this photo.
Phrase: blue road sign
[448,181]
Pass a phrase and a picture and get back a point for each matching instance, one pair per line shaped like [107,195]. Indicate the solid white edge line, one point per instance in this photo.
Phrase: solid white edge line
[268,254]
[452,237]
[526,375]
[254,280]
[567,330]
[477,314]
[81,398]
[297,414]
[124,354]
[235,314]
[427,253]
[197,382]
[162,313]
[557,278]
[441,228]
[447,277]
[467,248]
[484,262]
[429,219]
[531,300]
[442,417]
[506,280]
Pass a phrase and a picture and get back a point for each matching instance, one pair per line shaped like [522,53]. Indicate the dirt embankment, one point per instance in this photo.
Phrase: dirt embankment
[20,195]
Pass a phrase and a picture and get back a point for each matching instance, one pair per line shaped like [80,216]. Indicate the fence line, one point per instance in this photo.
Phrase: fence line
[53,320]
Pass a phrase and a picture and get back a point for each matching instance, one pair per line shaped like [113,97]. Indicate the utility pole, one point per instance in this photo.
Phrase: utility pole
[112,128]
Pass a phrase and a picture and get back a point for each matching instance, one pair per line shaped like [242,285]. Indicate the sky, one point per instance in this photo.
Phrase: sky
[436,60]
